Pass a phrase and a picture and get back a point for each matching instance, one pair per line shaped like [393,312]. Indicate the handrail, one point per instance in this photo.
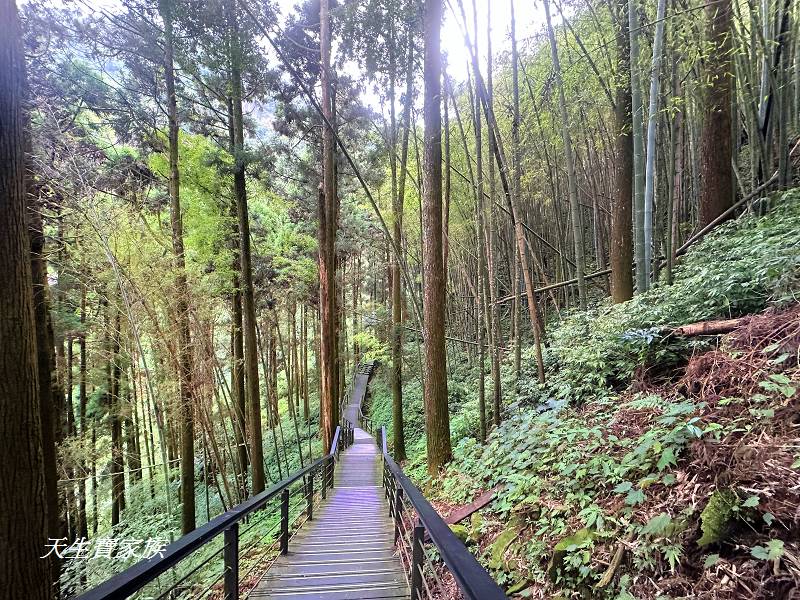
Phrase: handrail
[472,579]
[363,420]
[145,571]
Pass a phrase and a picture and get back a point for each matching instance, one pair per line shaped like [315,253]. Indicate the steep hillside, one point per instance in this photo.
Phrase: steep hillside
[650,464]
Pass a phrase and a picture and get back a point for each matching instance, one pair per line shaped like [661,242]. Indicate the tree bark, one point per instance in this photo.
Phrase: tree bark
[328,225]
[437,418]
[166,8]
[49,395]
[622,208]
[716,195]
[23,504]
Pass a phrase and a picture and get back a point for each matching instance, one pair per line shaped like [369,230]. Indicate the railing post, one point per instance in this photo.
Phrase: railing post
[310,496]
[416,561]
[323,483]
[285,521]
[398,498]
[231,558]
[331,472]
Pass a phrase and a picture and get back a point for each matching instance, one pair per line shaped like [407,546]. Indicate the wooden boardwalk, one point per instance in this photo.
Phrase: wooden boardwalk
[347,552]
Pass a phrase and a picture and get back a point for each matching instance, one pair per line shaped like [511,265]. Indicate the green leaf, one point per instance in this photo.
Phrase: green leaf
[780,359]
[623,487]
[657,525]
[635,497]
[775,549]
[751,502]
[672,554]
[667,458]
[759,552]
[669,479]
[796,463]
[769,518]
[711,560]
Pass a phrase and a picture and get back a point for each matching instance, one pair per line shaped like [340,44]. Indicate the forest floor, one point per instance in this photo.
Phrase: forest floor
[650,465]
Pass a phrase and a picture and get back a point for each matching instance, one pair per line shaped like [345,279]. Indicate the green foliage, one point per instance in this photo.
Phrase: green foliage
[772,551]
[735,270]
[371,347]
[577,545]
[560,460]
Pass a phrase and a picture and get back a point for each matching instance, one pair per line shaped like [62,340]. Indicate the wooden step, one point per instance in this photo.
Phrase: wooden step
[347,551]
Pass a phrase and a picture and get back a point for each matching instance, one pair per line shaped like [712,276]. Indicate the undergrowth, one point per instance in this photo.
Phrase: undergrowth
[147,518]
[648,465]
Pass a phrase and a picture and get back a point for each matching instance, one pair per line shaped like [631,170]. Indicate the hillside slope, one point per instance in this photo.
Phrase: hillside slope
[649,465]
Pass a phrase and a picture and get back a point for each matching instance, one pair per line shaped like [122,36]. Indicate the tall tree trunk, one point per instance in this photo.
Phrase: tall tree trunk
[166,8]
[49,396]
[637,117]
[437,418]
[304,363]
[83,527]
[572,182]
[622,208]
[495,338]
[237,330]
[132,447]
[717,175]
[248,295]
[328,225]
[652,123]
[23,505]
[93,454]
[517,178]
[482,308]
[396,282]
[115,410]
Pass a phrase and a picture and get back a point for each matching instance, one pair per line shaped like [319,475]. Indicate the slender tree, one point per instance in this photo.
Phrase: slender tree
[572,178]
[253,388]
[652,123]
[398,199]
[166,9]
[637,117]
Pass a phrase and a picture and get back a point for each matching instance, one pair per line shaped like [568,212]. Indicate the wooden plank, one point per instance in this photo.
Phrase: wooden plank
[347,552]
[463,512]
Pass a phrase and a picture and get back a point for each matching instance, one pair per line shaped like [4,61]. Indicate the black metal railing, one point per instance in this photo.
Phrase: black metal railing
[418,529]
[365,423]
[252,513]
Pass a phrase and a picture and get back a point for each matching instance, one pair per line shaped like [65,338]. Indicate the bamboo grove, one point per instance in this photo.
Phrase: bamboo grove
[212,211]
